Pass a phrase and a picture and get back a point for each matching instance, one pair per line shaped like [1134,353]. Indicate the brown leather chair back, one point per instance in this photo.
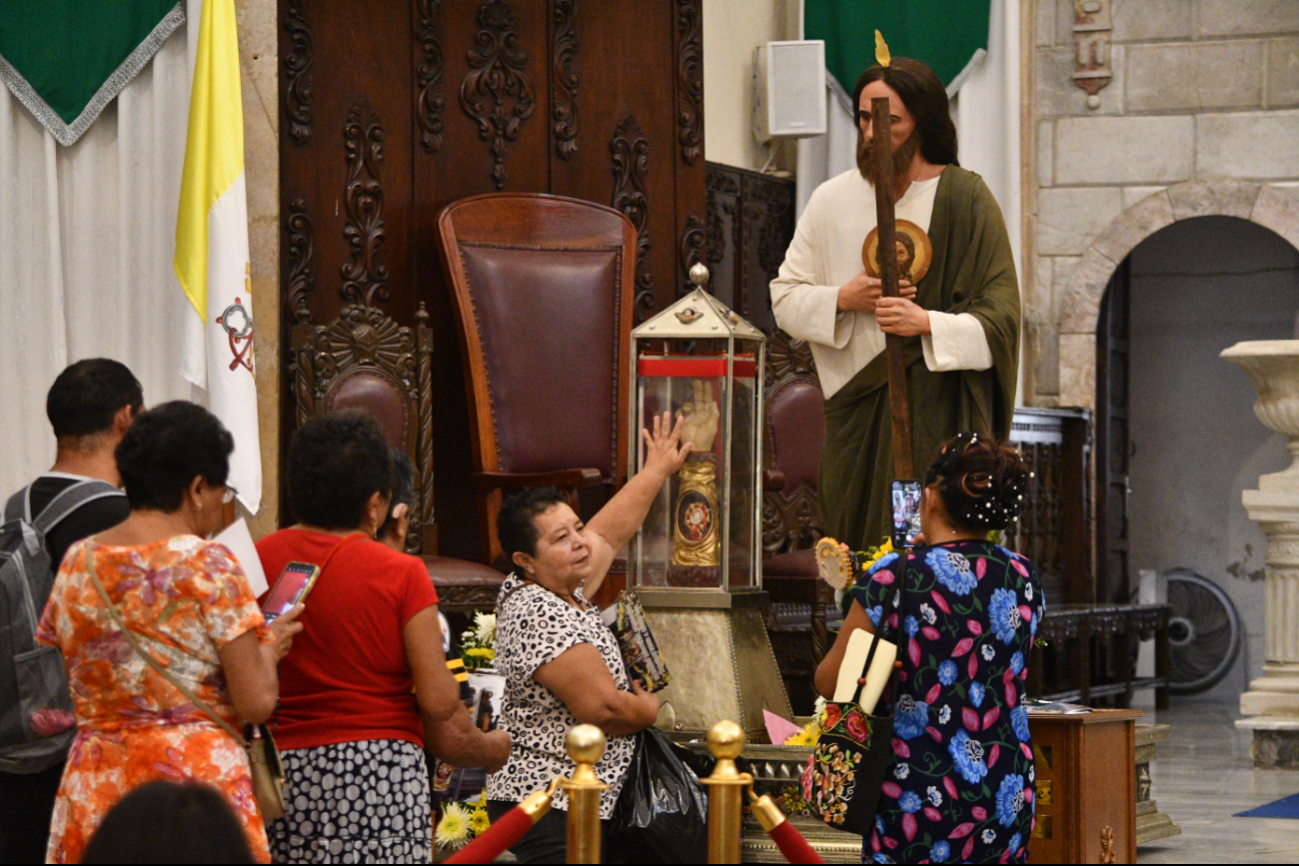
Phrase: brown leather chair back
[795,433]
[365,360]
[542,289]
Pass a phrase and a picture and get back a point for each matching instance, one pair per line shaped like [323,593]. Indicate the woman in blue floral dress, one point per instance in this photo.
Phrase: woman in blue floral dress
[960,787]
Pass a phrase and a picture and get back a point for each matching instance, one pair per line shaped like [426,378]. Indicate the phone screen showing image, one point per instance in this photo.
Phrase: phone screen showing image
[906,511]
[289,589]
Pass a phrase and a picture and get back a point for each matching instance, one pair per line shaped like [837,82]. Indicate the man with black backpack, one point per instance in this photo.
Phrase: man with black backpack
[90,405]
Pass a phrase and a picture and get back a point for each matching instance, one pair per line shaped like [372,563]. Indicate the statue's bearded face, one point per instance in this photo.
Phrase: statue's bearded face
[905,135]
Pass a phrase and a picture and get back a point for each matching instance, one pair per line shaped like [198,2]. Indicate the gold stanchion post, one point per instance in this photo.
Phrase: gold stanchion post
[726,787]
[585,746]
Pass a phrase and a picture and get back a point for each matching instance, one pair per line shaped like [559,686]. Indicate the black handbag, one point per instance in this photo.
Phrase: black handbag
[662,811]
[843,777]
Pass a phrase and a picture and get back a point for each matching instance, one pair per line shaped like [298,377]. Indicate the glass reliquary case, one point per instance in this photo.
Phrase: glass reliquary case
[700,546]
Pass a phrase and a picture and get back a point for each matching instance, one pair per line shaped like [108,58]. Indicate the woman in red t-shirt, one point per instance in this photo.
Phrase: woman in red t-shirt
[351,732]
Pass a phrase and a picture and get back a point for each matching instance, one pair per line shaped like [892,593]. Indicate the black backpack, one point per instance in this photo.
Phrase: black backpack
[36,718]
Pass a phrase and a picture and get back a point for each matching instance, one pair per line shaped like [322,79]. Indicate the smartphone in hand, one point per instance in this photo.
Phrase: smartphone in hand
[294,583]
[906,512]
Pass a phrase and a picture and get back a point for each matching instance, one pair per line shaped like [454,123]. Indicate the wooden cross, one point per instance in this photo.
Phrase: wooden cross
[882,177]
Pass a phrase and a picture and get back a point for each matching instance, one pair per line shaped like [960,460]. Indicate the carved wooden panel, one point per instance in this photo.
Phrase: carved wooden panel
[365,278]
[496,93]
[750,225]
[431,100]
[690,78]
[391,111]
[297,72]
[564,75]
[630,151]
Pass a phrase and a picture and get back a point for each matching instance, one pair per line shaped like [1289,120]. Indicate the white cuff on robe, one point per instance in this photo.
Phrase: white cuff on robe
[958,342]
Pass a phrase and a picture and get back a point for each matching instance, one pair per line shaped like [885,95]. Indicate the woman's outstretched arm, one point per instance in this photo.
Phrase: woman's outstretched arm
[618,521]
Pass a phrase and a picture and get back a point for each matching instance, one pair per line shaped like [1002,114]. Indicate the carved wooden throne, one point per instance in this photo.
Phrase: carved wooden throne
[365,360]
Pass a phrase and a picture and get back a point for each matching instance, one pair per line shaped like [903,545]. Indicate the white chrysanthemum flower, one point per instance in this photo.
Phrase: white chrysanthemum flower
[485,628]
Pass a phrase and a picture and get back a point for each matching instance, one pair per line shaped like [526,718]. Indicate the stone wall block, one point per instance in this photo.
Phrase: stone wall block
[1134,194]
[1123,150]
[1135,20]
[1250,144]
[1078,370]
[1283,73]
[1247,17]
[1213,198]
[1138,222]
[1045,23]
[1081,303]
[1276,210]
[1045,343]
[1190,76]
[1063,20]
[1045,152]
[1068,218]
[1058,96]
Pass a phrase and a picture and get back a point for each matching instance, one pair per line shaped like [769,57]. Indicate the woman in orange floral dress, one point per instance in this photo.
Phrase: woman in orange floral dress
[188,601]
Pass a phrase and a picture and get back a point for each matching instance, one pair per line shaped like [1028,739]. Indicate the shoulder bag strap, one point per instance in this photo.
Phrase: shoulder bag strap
[151,661]
[347,538]
[897,597]
[70,499]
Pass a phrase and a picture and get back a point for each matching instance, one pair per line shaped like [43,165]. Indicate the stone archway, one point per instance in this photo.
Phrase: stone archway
[1080,305]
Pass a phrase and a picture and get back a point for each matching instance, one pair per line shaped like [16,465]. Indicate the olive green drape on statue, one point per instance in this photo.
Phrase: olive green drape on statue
[973,272]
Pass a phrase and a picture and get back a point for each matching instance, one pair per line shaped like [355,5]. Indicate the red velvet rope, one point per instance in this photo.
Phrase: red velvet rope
[504,832]
[792,844]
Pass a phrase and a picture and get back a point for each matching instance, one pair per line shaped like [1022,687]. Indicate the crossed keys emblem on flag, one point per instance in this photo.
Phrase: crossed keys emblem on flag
[238,325]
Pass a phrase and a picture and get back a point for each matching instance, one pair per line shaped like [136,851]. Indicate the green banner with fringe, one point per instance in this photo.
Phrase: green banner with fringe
[65,60]
[950,36]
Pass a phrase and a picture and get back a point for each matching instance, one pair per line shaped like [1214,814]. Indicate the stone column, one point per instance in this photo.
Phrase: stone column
[1271,705]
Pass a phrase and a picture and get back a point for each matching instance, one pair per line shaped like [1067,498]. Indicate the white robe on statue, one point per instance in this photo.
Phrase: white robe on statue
[826,253]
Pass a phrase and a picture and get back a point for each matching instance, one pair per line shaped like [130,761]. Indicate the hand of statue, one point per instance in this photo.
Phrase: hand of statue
[664,451]
[902,317]
[863,292]
[700,416]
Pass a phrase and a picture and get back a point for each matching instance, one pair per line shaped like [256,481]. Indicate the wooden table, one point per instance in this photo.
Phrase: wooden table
[1085,787]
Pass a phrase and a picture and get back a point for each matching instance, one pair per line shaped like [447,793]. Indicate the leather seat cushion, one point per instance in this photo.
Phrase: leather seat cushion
[446,571]
[795,564]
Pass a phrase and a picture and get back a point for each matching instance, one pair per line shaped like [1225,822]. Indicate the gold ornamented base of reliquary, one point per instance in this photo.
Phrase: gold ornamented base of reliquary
[720,658]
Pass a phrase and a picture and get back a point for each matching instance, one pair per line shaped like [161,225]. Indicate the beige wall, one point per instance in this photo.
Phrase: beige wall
[258,62]
[732,29]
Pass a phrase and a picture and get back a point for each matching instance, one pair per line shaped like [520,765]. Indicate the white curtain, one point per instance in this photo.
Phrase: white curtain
[87,235]
[986,111]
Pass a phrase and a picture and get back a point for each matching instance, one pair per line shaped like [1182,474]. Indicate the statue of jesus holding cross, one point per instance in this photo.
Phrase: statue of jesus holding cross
[953,336]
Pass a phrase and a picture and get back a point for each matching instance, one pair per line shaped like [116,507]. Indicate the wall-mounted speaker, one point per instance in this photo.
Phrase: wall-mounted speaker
[789,89]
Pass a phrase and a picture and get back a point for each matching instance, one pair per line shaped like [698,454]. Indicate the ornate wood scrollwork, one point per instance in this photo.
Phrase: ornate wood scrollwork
[722,205]
[428,75]
[630,149]
[787,357]
[364,277]
[300,282]
[693,240]
[297,72]
[495,79]
[565,77]
[690,80]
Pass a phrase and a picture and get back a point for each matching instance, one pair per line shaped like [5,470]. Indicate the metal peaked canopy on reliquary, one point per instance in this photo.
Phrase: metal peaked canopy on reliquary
[696,563]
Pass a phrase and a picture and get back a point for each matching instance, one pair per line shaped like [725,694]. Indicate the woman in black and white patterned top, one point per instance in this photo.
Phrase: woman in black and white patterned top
[561,664]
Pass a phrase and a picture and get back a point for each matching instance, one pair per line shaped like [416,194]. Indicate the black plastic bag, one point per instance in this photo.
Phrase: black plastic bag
[662,812]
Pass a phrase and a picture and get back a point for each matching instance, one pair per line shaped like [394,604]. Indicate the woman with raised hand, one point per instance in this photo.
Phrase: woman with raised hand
[960,786]
[562,664]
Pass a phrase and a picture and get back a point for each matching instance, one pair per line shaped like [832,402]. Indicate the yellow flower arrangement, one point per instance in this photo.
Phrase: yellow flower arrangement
[479,822]
[481,653]
[808,736]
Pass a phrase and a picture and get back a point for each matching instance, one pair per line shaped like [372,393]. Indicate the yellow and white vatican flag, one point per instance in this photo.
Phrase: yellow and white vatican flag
[212,260]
